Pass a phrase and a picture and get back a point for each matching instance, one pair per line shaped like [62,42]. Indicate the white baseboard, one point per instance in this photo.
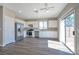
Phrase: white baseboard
[2,45]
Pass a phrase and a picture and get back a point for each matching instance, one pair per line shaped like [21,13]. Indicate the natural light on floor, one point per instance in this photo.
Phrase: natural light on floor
[57,46]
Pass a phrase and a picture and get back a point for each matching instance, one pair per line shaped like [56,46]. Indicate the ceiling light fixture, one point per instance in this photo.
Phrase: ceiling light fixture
[45,8]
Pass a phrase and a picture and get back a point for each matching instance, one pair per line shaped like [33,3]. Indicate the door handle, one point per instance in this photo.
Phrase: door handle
[73,32]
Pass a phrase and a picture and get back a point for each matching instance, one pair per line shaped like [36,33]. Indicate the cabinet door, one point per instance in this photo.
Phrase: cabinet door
[9,34]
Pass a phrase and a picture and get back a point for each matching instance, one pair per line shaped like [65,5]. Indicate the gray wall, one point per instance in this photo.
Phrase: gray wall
[67,8]
[77,29]
[1,25]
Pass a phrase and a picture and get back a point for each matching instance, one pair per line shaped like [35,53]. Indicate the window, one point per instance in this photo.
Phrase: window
[43,25]
[69,21]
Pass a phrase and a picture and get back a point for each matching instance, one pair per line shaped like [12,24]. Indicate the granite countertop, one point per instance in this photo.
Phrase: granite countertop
[49,29]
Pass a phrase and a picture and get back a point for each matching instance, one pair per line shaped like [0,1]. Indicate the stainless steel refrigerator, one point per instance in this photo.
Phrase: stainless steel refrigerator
[19,33]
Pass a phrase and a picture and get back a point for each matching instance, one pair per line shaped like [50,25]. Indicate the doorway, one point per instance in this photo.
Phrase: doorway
[70,31]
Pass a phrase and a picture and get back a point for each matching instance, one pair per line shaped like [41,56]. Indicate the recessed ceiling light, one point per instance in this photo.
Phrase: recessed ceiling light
[20,11]
[35,10]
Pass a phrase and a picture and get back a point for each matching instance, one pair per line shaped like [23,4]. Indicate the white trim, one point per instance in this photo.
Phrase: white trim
[67,13]
[2,45]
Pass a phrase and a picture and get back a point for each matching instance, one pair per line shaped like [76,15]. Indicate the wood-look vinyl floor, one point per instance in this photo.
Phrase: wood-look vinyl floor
[35,46]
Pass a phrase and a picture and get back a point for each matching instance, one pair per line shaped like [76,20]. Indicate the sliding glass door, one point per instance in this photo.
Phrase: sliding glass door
[70,31]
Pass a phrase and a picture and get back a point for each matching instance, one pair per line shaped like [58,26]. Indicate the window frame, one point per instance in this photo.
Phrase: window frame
[43,24]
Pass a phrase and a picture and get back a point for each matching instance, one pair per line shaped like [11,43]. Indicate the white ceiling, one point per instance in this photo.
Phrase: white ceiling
[26,10]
